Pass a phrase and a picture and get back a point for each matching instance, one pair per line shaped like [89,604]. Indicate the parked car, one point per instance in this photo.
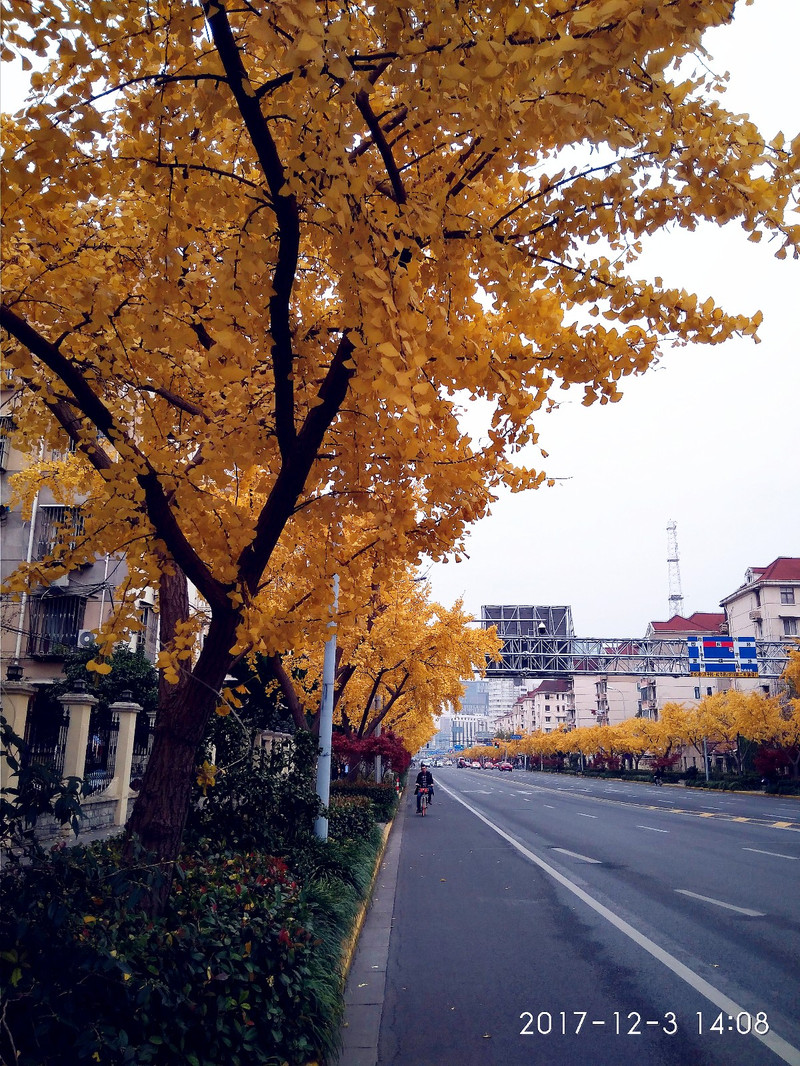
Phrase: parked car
[475,765]
[506,766]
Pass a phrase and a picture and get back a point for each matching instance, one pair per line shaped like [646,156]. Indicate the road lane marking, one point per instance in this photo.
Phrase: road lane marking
[581,815]
[652,828]
[780,1047]
[777,854]
[577,855]
[691,812]
[549,806]
[721,903]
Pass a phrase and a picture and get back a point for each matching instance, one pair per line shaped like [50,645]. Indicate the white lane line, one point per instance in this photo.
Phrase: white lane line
[777,854]
[549,806]
[720,903]
[580,815]
[652,828]
[782,1048]
[577,855]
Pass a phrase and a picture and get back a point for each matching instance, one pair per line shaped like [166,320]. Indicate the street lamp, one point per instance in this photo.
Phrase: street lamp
[622,698]
[14,671]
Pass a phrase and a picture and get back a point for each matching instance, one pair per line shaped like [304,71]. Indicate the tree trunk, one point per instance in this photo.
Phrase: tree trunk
[159,814]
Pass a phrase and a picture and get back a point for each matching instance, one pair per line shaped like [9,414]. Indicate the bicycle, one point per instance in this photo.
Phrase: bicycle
[423,801]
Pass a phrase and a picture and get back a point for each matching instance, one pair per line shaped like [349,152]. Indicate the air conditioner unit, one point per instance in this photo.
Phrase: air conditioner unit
[148,597]
[60,582]
[86,639]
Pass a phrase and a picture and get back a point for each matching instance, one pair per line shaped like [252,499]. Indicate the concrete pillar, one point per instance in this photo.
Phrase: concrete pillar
[78,705]
[124,712]
[17,697]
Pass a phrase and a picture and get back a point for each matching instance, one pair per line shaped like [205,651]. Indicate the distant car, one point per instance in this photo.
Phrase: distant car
[506,766]
[475,765]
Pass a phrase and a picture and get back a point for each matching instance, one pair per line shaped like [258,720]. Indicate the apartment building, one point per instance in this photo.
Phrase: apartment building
[38,629]
[543,708]
[767,605]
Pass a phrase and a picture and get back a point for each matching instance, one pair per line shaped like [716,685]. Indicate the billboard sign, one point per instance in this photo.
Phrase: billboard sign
[721,656]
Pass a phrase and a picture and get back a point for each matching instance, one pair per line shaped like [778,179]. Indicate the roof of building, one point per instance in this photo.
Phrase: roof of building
[699,622]
[784,568]
[551,685]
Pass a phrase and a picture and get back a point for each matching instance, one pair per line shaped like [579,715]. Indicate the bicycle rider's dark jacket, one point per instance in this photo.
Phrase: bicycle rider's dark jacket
[424,780]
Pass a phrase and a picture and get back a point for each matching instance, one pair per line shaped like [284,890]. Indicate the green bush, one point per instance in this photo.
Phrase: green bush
[255,806]
[350,817]
[231,974]
[383,797]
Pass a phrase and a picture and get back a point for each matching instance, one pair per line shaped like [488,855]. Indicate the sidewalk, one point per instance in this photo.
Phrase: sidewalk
[366,983]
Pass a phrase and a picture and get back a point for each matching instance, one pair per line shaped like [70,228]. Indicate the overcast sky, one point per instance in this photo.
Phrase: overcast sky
[710,438]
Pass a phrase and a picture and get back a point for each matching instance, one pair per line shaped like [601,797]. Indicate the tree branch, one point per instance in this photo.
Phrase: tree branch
[296,466]
[364,106]
[284,206]
[156,501]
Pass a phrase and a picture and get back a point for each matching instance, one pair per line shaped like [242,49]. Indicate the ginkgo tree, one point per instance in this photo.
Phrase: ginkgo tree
[256,255]
[401,659]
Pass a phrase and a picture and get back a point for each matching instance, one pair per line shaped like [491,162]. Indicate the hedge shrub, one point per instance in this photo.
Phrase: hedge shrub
[230,974]
[383,797]
[350,817]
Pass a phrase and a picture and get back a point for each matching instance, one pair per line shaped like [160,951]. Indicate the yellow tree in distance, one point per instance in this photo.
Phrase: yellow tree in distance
[256,256]
[400,658]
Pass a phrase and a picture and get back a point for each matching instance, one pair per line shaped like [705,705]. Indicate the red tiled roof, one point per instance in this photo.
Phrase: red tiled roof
[784,568]
[699,622]
[551,685]
[710,619]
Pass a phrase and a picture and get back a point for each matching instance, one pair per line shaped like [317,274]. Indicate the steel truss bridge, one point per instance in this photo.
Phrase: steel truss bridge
[556,656]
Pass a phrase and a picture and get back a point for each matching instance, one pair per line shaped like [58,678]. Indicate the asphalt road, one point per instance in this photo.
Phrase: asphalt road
[549,919]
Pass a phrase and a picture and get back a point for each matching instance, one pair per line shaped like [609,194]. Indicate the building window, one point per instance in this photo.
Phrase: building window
[6,425]
[757,594]
[787,594]
[55,623]
[789,627]
[697,692]
[57,530]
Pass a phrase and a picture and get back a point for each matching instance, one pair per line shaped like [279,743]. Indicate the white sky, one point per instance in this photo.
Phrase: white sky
[710,438]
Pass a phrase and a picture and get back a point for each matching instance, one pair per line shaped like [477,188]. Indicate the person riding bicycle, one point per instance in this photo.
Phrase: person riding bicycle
[424,780]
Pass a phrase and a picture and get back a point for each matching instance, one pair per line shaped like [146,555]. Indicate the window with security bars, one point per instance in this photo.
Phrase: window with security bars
[57,527]
[55,622]
[6,426]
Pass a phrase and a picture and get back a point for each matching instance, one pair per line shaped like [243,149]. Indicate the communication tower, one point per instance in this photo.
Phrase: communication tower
[674,566]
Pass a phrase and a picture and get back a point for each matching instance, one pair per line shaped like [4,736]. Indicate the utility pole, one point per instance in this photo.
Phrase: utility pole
[326,717]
